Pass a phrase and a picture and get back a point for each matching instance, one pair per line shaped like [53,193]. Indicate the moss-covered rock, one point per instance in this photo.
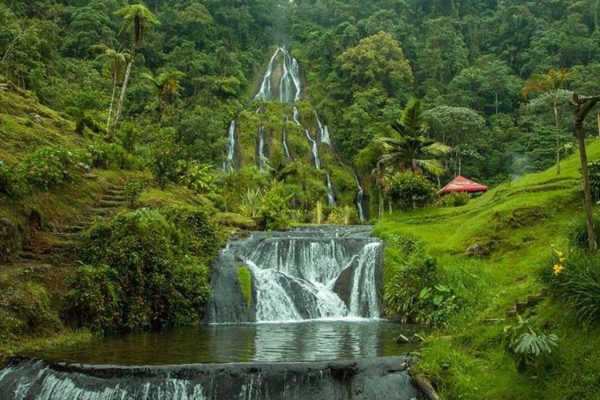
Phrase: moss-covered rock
[10,241]
[244,277]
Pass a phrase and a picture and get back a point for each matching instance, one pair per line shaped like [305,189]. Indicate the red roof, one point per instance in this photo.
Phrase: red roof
[462,184]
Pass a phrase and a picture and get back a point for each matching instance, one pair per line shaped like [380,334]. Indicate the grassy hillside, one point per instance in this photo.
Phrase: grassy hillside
[44,224]
[516,225]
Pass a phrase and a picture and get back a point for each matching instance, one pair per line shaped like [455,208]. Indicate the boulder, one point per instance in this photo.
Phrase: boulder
[343,285]
[476,251]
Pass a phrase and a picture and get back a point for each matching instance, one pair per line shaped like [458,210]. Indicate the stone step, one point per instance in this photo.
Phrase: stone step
[114,192]
[114,197]
[109,204]
[74,229]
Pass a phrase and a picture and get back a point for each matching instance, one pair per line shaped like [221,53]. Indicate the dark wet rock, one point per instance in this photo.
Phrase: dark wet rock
[343,285]
[377,378]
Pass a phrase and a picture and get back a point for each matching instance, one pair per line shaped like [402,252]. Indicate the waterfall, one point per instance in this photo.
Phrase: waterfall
[230,162]
[305,274]
[360,196]
[325,137]
[296,77]
[264,92]
[296,116]
[262,159]
[289,86]
[286,150]
[330,192]
[314,149]
[380,377]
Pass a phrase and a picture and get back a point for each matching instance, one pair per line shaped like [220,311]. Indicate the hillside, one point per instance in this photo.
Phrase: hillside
[517,225]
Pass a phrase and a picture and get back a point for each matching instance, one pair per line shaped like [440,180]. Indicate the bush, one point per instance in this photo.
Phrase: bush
[104,155]
[133,189]
[274,212]
[415,290]
[165,160]
[454,200]
[577,231]
[198,177]
[48,166]
[148,270]
[95,296]
[409,190]
[576,281]
[11,181]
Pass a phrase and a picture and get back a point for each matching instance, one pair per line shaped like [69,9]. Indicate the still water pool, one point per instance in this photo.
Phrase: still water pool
[287,342]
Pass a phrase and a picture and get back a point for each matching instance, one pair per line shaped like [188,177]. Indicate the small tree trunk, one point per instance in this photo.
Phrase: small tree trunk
[112,101]
[587,193]
[122,96]
[598,125]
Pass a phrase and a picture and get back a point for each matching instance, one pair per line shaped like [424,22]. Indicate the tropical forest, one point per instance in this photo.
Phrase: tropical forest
[299,199]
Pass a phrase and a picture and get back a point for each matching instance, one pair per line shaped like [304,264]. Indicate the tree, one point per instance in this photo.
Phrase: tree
[377,60]
[455,126]
[409,147]
[550,85]
[165,85]
[114,63]
[138,21]
[582,106]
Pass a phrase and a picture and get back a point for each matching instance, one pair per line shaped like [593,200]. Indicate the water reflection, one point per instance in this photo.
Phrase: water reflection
[302,341]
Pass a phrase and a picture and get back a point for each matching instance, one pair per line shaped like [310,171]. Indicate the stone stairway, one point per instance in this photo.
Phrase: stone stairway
[61,243]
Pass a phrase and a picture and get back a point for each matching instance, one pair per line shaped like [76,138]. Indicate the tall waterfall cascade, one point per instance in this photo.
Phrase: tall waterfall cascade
[282,82]
[305,274]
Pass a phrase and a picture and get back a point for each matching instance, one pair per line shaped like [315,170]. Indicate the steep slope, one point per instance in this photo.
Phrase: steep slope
[515,225]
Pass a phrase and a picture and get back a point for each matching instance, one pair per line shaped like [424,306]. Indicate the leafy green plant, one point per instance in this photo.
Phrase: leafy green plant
[104,155]
[250,203]
[576,281]
[528,346]
[198,177]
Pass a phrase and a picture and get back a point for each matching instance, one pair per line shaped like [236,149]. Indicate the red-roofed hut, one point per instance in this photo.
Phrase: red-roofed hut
[460,184]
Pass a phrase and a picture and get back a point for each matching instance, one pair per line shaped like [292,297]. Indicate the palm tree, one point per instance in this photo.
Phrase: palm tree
[408,146]
[115,63]
[165,85]
[138,20]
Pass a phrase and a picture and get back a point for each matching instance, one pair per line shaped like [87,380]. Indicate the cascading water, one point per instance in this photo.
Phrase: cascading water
[262,159]
[314,147]
[360,198]
[330,192]
[309,273]
[264,93]
[230,162]
[325,137]
[286,150]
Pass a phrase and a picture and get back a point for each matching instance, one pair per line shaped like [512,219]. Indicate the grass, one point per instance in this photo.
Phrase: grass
[516,223]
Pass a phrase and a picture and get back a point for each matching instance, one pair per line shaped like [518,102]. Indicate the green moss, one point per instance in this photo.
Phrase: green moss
[245,280]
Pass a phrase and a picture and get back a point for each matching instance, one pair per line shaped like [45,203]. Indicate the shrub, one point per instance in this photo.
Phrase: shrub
[133,189]
[409,190]
[95,296]
[11,181]
[415,290]
[104,155]
[454,200]
[198,177]
[576,281]
[48,166]
[147,268]
[274,212]
[577,230]
[165,160]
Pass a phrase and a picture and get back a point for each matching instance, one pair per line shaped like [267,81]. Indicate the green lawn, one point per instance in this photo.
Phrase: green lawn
[517,224]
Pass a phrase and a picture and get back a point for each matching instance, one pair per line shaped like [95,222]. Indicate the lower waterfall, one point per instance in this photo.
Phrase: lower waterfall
[304,274]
